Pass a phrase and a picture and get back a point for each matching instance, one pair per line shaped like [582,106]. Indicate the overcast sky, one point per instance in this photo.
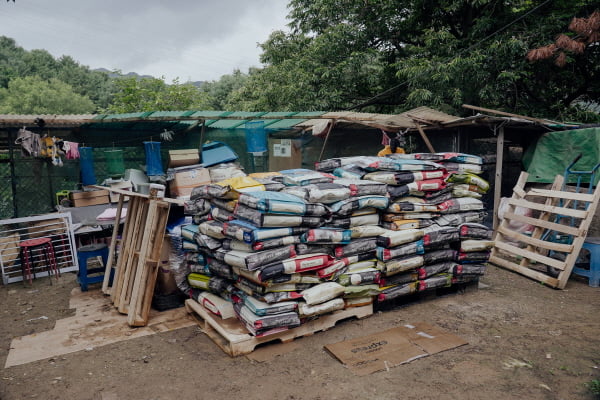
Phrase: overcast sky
[195,40]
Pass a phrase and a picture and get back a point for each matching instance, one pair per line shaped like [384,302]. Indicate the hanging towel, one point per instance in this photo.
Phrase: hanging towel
[72,150]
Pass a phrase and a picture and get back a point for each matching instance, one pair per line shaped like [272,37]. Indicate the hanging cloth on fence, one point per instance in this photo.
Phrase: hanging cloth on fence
[30,143]
[50,149]
[71,150]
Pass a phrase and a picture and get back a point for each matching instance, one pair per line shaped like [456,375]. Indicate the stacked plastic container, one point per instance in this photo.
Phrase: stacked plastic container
[283,247]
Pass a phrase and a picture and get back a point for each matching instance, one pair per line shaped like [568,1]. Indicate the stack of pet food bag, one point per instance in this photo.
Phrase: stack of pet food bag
[277,249]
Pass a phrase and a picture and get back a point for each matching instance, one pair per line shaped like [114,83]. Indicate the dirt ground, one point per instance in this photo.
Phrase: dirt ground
[526,341]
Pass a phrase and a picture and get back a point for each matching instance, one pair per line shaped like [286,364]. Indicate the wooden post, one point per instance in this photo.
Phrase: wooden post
[333,122]
[489,110]
[424,137]
[498,176]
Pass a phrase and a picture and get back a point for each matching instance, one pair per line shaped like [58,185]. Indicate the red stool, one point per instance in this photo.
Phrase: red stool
[44,245]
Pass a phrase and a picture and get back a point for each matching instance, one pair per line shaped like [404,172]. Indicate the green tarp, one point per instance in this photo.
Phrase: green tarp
[554,151]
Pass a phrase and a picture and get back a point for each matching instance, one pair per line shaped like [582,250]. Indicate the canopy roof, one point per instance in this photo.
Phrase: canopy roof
[425,117]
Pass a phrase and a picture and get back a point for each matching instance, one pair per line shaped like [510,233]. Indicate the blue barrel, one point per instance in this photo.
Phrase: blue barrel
[153,162]
[86,165]
[256,137]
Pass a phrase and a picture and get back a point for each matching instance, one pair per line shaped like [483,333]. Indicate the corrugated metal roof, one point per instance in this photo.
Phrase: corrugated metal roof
[158,120]
[284,123]
[429,114]
[17,120]
[226,123]
[210,114]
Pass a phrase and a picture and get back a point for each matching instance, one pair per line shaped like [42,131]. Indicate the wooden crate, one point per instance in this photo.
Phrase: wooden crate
[534,255]
[231,336]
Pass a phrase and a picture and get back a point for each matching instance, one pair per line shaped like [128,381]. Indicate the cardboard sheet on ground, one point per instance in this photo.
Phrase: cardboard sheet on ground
[271,351]
[387,349]
[95,323]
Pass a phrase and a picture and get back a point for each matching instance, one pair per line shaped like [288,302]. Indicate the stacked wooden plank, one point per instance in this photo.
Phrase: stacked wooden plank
[136,266]
[554,214]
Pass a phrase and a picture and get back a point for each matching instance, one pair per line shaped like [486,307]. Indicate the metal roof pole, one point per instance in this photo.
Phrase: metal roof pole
[202,132]
[13,182]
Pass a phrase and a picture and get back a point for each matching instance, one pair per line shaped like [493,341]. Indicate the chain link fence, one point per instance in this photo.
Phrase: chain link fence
[36,181]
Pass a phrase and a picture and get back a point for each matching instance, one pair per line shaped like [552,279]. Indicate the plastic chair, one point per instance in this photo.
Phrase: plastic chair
[591,244]
[27,254]
[84,253]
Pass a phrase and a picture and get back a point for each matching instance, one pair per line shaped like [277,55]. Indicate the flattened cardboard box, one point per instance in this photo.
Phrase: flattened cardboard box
[383,350]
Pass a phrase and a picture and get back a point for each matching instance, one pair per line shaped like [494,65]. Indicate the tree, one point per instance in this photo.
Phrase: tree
[11,60]
[311,73]
[16,62]
[382,55]
[577,50]
[151,94]
[34,95]
[218,92]
[96,85]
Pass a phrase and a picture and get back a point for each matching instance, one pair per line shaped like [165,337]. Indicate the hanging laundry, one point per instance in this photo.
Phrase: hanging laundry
[30,143]
[50,149]
[71,150]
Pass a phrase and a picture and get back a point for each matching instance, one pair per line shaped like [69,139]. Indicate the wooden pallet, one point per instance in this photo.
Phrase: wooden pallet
[136,267]
[530,255]
[427,295]
[231,336]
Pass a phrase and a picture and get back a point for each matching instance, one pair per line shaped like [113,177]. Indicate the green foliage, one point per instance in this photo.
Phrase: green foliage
[11,60]
[34,95]
[387,56]
[311,73]
[594,386]
[15,62]
[218,92]
[151,94]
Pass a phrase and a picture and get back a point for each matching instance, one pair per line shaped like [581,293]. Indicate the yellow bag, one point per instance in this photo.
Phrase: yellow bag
[264,174]
[241,184]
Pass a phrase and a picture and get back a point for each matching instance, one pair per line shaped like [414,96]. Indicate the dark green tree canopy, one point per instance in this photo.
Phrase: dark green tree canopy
[135,94]
[381,55]
[15,62]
